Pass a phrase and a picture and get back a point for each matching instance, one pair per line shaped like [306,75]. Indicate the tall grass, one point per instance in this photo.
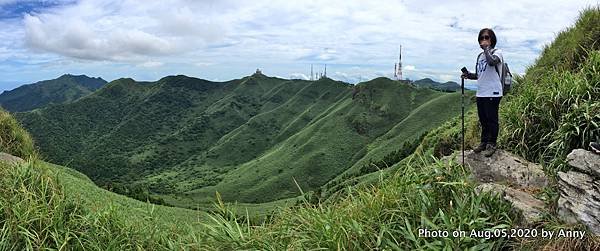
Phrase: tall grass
[447,138]
[13,138]
[547,119]
[429,195]
[555,107]
[36,214]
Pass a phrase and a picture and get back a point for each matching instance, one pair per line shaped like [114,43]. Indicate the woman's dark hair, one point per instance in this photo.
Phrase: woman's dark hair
[492,36]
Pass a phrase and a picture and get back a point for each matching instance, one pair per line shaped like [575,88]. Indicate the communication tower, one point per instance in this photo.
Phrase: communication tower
[398,66]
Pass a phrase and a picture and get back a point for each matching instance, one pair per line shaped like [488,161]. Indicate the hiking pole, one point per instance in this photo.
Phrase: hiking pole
[462,103]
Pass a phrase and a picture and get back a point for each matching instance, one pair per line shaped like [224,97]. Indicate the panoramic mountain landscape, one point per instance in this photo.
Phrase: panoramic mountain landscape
[269,163]
[253,140]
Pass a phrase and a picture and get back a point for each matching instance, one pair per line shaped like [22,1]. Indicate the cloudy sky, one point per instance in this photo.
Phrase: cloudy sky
[227,39]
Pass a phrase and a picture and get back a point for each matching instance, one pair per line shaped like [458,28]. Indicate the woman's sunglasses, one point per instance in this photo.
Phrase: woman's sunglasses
[484,37]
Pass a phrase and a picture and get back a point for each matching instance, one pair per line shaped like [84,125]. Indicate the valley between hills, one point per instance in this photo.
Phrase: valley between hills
[258,140]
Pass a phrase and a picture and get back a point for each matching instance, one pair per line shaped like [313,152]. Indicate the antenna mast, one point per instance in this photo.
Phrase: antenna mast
[398,67]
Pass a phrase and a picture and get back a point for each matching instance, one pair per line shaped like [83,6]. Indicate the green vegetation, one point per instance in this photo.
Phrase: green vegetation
[42,207]
[179,140]
[422,194]
[64,89]
[546,115]
[13,138]
[48,206]
[449,86]
[557,109]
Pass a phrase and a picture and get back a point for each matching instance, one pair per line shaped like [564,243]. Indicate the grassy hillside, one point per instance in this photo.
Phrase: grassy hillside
[13,138]
[64,89]
[253,140]
[421,192]
[555,108]
[45,206]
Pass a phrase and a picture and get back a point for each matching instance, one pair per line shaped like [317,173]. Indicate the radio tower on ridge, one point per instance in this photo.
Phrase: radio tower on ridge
[398,66]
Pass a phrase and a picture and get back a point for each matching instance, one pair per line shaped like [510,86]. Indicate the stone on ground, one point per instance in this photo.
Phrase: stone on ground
[510,176]
[527,205]
[9,159]
[505,168]
[580,190]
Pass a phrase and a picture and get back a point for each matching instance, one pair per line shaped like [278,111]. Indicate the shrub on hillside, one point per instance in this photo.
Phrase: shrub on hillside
[555,107]
[13,138]
[553,114]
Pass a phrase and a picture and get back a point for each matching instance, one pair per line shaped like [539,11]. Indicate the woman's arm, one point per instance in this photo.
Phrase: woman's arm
[489,57]
[472,76]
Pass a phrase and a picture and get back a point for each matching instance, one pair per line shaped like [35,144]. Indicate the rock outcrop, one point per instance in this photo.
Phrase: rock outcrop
[9,159]
[505,168]
[580,190]
[528,206]
[511,177]
[516,179]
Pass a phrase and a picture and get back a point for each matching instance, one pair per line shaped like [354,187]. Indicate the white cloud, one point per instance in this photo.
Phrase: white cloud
[203,64]
[79,40]
[151,64]
[297,75]
[357,38]
[447,77]
[121,31]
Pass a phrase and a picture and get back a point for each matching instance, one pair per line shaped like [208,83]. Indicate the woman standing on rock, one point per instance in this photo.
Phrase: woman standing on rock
[489,90]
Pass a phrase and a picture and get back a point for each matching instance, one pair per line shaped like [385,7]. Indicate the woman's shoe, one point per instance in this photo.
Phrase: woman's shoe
[489,150]
[480,148]
[595,147]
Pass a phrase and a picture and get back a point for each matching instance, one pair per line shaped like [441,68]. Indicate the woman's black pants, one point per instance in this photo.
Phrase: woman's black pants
[487,109]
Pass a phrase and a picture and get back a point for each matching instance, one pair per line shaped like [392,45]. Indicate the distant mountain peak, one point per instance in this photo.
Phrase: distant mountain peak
[174,77]
[63,89]
[82,76]
[71,75]
[429,83]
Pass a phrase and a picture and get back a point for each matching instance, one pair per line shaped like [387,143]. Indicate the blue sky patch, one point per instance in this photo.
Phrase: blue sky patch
[19,8]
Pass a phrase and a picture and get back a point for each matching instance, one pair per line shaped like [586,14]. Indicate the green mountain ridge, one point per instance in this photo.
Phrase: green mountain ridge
[186,138]
[67,88]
